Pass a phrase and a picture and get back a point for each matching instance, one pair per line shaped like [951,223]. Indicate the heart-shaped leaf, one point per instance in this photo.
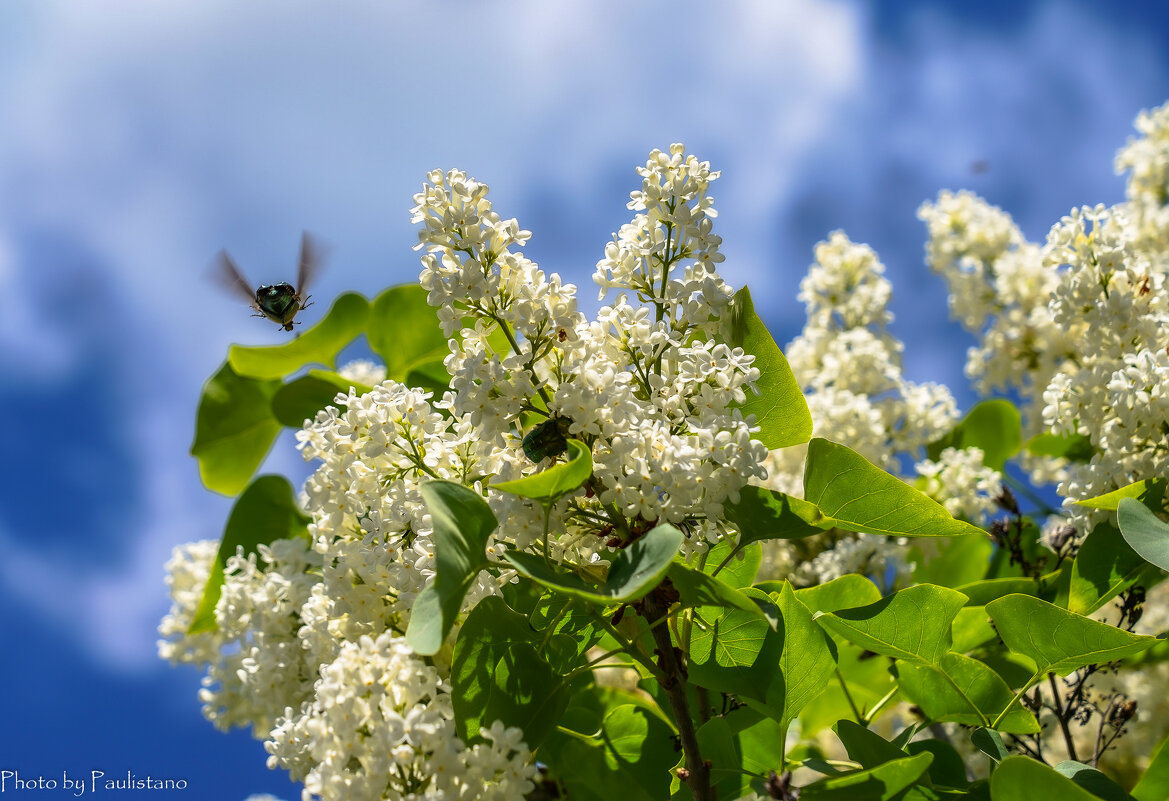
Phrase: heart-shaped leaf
[318,345]
[234,429]
[1059,641]
[547,486]
[860,496]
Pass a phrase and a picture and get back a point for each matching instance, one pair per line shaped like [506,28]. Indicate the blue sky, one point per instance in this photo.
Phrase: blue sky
[138,138]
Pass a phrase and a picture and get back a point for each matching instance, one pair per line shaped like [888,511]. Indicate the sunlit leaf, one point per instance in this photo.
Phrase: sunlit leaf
[1092,780]
[764,514]
[846,592]
[1149,490]
[1021,778]
[699,589]
[1059,641]
[1073,447]
[234,429]
[733,565]
[1106,565]
[546,486]
[496,674]
[318,345]
[885,782]
[913,624]
[735,651]
[959,689]
[403,329]
[860,496]
[780,409]
[301,398]
[806,663]
[1154,784]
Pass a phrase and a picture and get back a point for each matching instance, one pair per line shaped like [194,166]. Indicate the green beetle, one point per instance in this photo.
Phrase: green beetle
[549,438]
[281,302]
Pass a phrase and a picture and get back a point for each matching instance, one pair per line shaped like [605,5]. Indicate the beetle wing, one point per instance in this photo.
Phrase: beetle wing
[228,274]
[310,261]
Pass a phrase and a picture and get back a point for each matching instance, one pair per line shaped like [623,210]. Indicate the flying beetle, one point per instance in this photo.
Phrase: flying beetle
[279,303]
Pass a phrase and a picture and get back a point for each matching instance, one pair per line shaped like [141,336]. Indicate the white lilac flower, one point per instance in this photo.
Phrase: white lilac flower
[674,230]
[380,727]
[961,483]
[999,290]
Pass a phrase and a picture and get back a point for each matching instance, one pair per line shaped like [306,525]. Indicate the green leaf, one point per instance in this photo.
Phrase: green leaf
[959,689]
[1154,785]
[1150,490]
[947,769]
[1144,531]
[733,565]
[1020,778]
[983,592]
[641,744]
[1059,641]
[1073,447]
[636,570]
[806,664]
[558,480]
[989,742]
[885,782]
[318,345]
[496,674]
[994,426]
[583,766]
[429,376]
[463,522]
[971,628]
[266,512]
[867,677]
[847,592]
[734,651]
[699,589]
[300,399]
[763,514]
[960,560]
[1105,565]
[574,630]
[1092,780]
[403,329]
[913,624]
[780,409]
[866,747]
[234,429]
[859,496]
